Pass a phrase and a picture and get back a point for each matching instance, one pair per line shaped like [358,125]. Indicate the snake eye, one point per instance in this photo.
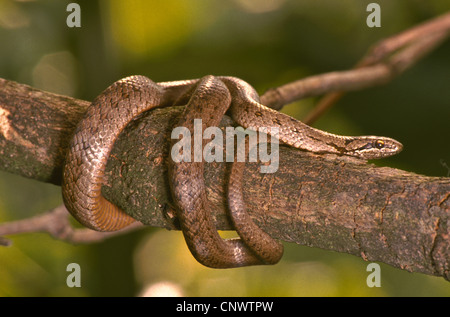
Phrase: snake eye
[379,144]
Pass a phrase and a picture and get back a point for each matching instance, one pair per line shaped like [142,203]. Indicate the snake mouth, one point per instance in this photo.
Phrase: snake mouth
[393,146]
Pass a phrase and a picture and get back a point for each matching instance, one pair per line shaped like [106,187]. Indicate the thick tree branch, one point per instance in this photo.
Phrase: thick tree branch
[380,214]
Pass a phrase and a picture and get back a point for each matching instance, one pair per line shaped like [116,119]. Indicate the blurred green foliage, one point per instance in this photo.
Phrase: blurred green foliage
[265,42]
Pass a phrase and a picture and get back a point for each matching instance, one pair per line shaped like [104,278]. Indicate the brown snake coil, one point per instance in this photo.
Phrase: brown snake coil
[207,99]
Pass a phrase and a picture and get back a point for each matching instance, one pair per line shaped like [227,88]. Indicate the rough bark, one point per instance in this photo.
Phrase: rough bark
[377,213]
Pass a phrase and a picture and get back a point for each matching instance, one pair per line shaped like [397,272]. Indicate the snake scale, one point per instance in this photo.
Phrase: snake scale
[208,98]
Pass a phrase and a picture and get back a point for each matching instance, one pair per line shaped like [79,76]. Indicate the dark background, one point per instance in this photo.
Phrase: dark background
[267,43]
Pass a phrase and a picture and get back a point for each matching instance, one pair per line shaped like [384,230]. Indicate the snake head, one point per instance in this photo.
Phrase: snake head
[372,147]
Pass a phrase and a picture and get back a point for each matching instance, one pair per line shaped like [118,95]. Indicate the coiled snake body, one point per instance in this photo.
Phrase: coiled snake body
[208,99]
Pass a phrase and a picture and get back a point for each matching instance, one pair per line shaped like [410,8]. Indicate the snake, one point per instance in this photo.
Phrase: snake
[207,98]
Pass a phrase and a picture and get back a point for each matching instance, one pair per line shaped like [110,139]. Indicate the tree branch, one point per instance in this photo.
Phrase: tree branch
[398,53]
[56,223]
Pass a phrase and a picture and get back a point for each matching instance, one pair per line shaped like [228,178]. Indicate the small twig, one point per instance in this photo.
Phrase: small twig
[413,44]
[318,85]
[382,49]
[56,223]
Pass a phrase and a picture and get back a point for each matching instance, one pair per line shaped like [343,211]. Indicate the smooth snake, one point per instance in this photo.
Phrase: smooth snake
[208,98]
